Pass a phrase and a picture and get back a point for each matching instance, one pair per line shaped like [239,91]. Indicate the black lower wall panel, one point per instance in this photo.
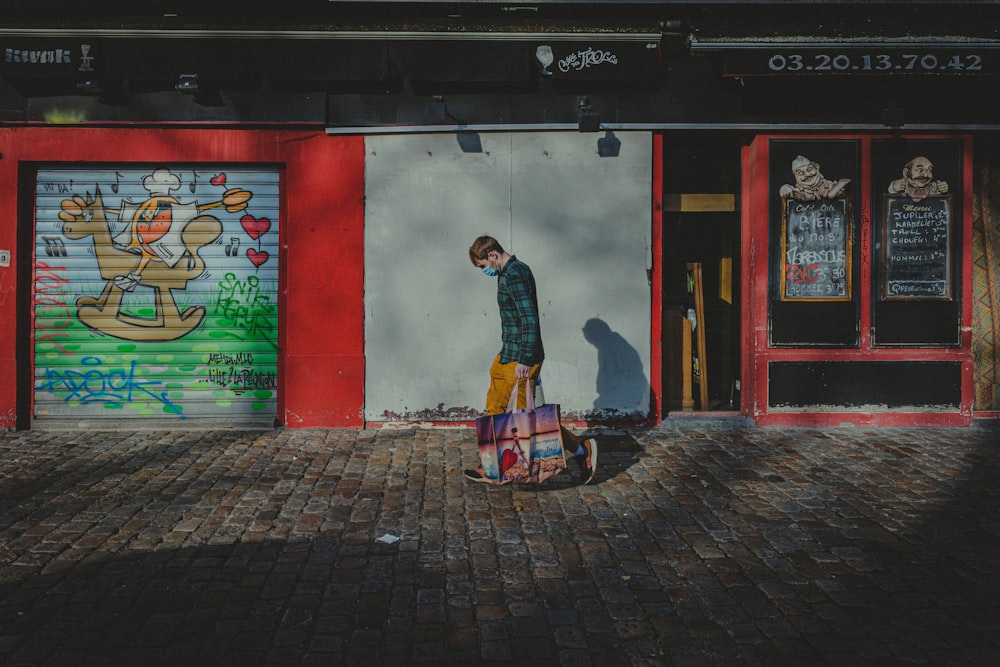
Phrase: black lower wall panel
[860,384]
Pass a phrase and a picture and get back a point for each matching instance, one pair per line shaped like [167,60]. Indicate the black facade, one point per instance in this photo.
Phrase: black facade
[388,64]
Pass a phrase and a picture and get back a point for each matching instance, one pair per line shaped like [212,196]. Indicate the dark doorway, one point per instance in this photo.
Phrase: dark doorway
[701,234]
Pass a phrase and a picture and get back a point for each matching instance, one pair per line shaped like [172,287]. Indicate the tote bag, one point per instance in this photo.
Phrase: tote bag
[521,446]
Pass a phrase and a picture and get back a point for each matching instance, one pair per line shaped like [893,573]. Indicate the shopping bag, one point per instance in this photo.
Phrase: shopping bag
[521,446]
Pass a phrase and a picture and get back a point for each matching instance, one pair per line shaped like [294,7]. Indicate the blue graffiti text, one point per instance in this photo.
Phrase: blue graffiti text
[112,386]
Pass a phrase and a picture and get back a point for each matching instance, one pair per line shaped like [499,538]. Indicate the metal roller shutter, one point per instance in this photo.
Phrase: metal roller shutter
[156,294]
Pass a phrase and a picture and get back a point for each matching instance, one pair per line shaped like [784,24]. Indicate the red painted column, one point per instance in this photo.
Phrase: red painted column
[968,370]
[753,280]
[656,285]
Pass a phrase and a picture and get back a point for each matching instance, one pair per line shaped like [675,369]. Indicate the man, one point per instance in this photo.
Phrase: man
[521,353]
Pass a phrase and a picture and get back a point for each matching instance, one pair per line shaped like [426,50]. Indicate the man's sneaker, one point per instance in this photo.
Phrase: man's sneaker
[476,476]
[588,461]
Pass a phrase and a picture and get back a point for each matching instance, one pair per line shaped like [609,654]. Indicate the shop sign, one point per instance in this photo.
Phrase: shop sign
[807,60]
[916,248]
[816,249]
[612,61]
[508,60]
[47,58]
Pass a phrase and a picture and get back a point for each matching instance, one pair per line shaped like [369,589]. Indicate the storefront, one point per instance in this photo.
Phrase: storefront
[151,279]
[864,289]
[726,213]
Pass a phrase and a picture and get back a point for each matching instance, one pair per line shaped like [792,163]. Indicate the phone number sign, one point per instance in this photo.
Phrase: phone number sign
[841,61]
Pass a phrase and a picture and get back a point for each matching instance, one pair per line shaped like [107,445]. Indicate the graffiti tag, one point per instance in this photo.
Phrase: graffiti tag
[796,273]
[237,373]
[52,315]
[114,387]
[242,379]
[241,302]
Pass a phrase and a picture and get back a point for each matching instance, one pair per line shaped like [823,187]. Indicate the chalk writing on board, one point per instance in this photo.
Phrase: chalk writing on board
[916,262]
[816,250]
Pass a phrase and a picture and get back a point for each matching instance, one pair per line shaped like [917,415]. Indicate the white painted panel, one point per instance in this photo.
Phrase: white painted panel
[582,223]
[579,220]
[155,294]
[430,315]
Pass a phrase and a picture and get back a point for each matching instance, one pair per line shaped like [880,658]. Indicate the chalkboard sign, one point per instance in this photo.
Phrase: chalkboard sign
[916,247]
[816,250]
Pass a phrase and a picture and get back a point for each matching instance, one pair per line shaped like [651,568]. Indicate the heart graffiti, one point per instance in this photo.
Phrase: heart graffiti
[218,180]
[257,257]
[255,227]
[507,460]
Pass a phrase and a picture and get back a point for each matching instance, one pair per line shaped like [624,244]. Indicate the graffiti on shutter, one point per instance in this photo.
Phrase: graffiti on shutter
[156,293]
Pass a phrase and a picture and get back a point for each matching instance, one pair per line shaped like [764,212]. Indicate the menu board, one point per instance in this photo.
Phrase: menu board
[916,246]
[816,250]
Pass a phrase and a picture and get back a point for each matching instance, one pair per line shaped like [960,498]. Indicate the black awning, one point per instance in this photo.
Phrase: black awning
[162,59]
[453,60]
[227,59]
[320,59]
[501,60]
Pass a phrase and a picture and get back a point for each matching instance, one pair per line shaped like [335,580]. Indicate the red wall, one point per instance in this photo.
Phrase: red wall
[321,367]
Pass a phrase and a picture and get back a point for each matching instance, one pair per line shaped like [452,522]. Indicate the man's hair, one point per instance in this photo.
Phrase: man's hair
[482,247]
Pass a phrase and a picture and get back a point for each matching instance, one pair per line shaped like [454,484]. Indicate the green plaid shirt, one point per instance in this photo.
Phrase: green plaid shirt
[520,326]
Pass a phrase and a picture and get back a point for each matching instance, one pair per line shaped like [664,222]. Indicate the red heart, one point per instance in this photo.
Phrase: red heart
[257,258]
[218,180]
[255,227]
[507,459]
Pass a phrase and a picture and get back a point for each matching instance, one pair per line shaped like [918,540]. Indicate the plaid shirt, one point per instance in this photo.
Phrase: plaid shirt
[520,326]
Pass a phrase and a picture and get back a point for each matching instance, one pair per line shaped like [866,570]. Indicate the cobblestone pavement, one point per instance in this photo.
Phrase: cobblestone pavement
[702,543]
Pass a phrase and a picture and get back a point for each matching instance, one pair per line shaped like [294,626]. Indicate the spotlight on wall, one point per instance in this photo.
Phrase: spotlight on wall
[204,93]
[89,87]
[589,122]
[187,83]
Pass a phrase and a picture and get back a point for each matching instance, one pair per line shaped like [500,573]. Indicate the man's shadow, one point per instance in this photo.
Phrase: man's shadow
[623,396]
[623,399]
[622,387]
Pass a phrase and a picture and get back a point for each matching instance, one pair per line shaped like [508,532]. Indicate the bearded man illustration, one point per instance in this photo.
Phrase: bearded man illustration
[918,181]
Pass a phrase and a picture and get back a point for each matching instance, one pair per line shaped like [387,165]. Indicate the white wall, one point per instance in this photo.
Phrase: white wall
[579,220]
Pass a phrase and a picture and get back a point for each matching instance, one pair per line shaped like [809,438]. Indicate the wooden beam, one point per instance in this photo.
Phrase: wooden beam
[700,203]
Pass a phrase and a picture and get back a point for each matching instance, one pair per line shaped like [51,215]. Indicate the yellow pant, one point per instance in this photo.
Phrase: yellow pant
[502,379]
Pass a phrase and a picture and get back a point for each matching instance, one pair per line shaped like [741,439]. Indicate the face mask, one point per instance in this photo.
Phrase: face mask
[490,270]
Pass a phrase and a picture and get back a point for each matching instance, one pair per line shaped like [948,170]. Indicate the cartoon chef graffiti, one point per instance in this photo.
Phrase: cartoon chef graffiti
[151,232]
[158,249]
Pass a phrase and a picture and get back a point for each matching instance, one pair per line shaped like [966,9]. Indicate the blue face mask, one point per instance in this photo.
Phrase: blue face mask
[490,271]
